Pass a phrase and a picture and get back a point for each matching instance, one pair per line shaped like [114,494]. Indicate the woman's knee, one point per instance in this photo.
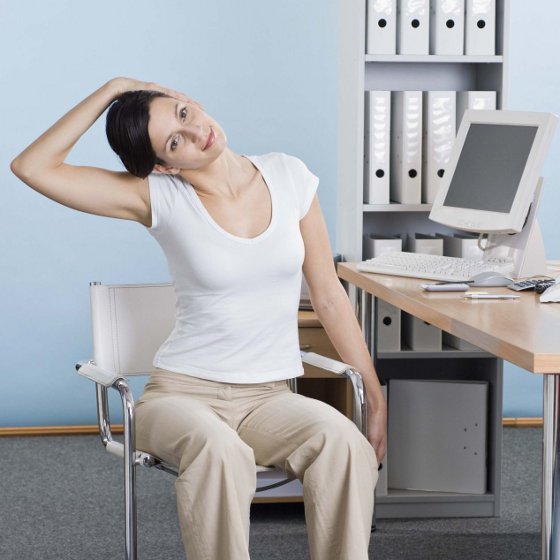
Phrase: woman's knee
[333,440]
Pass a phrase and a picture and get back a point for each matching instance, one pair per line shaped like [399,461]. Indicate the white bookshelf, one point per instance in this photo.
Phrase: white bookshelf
[359,72]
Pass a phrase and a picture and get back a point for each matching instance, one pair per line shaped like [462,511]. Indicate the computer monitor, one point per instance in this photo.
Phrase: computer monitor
[494,167]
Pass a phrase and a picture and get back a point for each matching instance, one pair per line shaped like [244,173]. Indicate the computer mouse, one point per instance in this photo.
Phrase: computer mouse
[490,279]
[551,294]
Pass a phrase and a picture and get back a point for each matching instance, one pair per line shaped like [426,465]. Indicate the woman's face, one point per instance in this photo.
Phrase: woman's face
[183,135]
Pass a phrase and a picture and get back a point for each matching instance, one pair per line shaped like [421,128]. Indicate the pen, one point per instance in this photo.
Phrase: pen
[491,296]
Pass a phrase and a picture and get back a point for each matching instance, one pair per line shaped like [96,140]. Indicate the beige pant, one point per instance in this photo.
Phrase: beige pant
[215,432]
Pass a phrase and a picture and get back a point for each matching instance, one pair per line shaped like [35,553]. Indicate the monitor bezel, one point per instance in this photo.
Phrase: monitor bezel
[484,221]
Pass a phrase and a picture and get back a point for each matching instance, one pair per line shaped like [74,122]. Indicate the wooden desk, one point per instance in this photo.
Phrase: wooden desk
[524,332]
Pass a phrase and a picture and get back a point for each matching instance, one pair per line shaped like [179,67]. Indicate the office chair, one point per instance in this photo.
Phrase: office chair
[129,323]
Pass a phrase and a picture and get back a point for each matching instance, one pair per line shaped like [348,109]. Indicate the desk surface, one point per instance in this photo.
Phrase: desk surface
[524,332]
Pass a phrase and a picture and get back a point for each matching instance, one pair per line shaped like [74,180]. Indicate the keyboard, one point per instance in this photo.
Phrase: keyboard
[433,267]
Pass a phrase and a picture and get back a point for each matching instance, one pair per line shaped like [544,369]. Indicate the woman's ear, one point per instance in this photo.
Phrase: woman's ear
[159,168]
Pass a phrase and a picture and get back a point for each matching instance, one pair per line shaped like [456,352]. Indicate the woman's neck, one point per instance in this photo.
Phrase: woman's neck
[225,176]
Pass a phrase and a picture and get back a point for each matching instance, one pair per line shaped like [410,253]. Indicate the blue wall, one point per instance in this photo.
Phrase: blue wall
[265,70]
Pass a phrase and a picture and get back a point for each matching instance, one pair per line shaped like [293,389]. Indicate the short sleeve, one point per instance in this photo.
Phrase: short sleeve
[163,195]
[305,184]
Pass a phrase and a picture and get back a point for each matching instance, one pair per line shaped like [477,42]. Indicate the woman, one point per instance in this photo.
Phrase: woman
[237,232]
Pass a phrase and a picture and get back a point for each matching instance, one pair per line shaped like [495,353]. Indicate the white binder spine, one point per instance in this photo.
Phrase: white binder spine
[439,136]
[377,147]
[480,27]
[417,334]
[381,27]
[477,100]
[406,147]
[447,27]
[388,327]
[413,27]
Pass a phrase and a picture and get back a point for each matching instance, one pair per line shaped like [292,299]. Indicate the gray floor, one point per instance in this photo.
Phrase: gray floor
[61,499]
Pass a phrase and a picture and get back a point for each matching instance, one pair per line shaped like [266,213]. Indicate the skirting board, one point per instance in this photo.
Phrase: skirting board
[118,428]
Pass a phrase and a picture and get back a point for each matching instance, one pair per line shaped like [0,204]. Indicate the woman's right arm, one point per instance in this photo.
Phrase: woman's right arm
[88,189]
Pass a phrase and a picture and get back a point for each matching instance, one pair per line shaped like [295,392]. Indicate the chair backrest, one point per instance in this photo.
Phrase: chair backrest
[129,323]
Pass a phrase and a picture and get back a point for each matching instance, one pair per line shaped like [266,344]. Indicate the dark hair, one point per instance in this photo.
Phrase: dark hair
[127,131]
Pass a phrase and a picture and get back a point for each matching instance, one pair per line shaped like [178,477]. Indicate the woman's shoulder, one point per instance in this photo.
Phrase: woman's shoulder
[165,180]
[277,160]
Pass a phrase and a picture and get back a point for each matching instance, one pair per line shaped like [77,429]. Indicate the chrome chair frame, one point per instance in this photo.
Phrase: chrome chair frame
[106,379]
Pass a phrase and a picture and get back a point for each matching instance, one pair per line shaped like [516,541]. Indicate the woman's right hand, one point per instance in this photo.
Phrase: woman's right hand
[121,85]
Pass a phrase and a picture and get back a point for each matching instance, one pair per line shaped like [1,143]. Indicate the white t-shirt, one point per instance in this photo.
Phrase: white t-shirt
[237,298]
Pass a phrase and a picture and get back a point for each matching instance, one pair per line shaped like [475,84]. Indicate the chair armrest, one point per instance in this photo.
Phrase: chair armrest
[95,373]
[328,364]
[359,412]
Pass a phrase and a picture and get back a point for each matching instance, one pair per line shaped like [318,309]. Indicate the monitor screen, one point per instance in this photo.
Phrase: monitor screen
[490,167]
[493,169]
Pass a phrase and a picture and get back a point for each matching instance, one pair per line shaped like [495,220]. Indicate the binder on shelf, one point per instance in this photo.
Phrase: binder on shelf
[377,144]
[381,488]
[406,147]
[381,27]
[447,27]
[387,327]
[376,244]
[425,243]
[413,27]
[419,335]
[439,126]
[485,100]
[480,27]
[458,343]
[437,435]
[461,245]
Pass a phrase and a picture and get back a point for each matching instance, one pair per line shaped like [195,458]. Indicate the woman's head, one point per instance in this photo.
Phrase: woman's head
[152,131]
[127,131]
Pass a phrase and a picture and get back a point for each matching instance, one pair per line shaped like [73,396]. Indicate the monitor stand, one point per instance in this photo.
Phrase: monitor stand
[526,248]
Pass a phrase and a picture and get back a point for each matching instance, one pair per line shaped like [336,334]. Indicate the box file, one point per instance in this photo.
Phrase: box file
[461,245]
[377,144]
[439,122]
[447,27]
[478,100]
[406,147]
[415,333]
[413,27]
[480,27]
[381,27]
[464,246]
[376,244]
[419,335]
[387,327]
[437,435]
[424,243]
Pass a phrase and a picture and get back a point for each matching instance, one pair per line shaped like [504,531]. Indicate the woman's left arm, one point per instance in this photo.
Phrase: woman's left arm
[334,310]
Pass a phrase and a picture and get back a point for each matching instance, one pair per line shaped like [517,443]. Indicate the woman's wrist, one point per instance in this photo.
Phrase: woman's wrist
[117,86]
[376,400]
